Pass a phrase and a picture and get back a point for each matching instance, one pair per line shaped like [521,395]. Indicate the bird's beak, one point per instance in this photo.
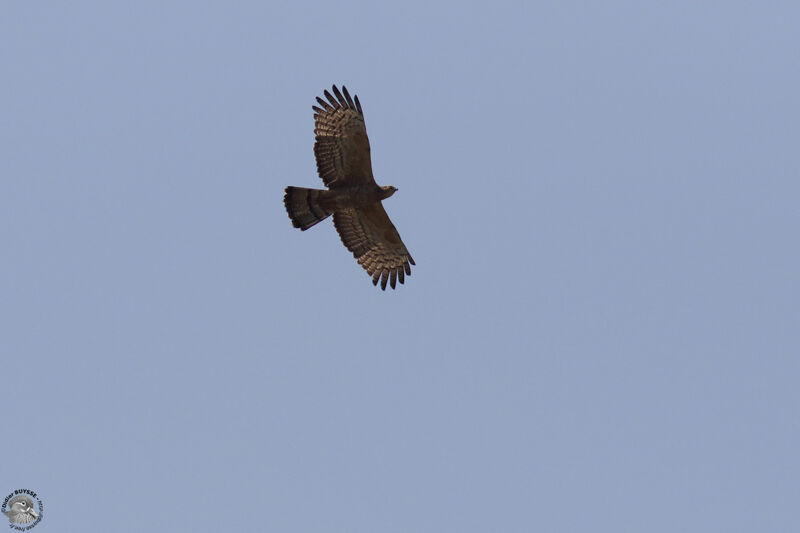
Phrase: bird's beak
[33,512]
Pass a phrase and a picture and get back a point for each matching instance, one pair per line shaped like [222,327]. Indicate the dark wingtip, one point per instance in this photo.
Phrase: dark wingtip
[349,100]
[339,97]
[325,105]
[332,100]
[337,100]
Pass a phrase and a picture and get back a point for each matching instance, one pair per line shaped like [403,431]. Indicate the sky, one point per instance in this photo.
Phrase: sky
[601,332]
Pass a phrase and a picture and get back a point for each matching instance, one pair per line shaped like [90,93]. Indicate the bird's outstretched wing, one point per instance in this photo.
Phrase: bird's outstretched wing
[341,147]
[375,243]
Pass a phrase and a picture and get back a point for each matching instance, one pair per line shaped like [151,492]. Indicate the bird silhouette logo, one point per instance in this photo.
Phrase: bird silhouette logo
[20,509]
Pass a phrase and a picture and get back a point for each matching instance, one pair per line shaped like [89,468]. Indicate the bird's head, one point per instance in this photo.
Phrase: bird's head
[21,510]
[388,190]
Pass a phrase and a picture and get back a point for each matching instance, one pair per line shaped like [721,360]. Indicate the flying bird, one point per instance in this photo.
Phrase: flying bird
[341,149]
[20,510]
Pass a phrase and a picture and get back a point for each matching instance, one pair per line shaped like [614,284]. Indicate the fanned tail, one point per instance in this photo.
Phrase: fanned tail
[303,206]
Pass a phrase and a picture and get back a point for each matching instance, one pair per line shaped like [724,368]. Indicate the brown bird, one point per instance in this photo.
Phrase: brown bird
[353,198]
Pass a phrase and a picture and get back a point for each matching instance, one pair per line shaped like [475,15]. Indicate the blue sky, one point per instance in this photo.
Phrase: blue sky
[601,332]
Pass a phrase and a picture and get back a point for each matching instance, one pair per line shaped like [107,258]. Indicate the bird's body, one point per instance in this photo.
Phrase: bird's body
[303,202]
[353,198]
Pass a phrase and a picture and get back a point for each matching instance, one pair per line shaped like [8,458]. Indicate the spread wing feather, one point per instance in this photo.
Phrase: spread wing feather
[341,147]
[375,243]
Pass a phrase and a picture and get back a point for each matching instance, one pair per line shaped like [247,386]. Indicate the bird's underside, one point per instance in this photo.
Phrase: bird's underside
[341,149]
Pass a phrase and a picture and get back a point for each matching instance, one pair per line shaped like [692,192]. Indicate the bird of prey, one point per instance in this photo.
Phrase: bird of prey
[20,510]
[353,198]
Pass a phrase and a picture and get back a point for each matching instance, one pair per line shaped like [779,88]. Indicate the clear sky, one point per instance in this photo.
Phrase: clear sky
[601,333]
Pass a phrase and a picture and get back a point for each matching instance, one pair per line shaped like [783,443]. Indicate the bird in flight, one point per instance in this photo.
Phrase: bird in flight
[353,198]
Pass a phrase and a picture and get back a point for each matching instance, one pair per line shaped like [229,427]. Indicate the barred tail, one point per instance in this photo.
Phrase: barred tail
[303,206]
